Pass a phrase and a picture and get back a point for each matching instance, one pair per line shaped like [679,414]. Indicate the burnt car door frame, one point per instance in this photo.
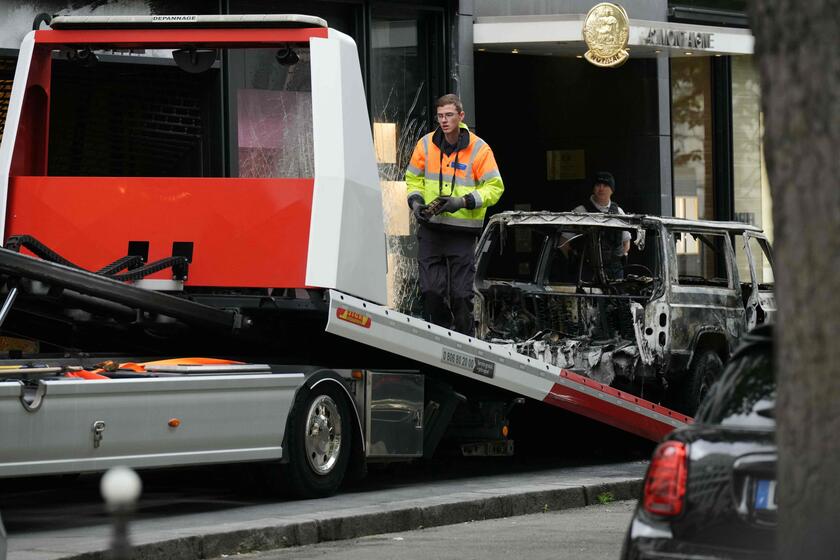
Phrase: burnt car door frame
[696,324]
[761,304]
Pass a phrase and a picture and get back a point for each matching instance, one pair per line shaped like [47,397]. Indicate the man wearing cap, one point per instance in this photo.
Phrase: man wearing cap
[614,244]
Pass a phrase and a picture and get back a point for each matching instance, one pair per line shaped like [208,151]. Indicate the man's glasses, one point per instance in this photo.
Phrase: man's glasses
[445,116]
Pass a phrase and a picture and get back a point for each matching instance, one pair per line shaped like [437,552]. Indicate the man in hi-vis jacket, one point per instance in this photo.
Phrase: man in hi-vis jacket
[452,179]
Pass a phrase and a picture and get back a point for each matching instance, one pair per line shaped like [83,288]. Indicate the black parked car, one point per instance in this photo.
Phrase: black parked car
[710,489]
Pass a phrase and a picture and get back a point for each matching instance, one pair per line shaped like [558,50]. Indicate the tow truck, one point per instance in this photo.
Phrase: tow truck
[121,263]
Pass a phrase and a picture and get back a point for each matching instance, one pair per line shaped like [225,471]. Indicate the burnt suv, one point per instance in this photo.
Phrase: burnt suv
[659,322]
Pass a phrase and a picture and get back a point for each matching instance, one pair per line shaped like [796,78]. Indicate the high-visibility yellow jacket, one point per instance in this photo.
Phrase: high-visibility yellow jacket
[469,171]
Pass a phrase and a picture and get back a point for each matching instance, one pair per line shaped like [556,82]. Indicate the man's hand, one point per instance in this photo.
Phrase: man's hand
[419,210]
[452,203]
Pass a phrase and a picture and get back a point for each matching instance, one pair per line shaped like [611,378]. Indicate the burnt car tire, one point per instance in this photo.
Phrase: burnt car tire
[320,434]
[704,371]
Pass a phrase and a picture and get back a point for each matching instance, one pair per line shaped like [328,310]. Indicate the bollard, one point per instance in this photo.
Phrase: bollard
[120,487]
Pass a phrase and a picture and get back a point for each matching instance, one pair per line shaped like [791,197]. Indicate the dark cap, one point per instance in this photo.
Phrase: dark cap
[606,178]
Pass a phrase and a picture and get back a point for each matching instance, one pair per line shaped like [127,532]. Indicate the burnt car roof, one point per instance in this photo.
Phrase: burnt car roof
[612,220]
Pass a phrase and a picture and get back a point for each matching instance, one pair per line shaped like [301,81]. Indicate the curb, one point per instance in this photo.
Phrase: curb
[375,520]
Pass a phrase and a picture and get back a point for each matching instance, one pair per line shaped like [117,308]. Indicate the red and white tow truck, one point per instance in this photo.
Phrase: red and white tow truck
[116,274]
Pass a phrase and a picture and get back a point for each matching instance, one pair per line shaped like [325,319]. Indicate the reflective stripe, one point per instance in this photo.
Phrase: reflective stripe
[415,170]
[465,181]
[490,175]
[479,143]
[479,202]
[469,176]
[426,147]
[465,223]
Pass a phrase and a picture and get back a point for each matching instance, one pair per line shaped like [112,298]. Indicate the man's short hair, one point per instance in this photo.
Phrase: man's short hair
[450,99]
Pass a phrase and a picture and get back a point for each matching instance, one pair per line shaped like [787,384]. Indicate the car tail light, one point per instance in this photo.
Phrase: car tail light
[665,483]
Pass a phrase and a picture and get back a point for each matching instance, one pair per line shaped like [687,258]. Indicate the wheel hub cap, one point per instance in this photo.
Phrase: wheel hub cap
[323,435]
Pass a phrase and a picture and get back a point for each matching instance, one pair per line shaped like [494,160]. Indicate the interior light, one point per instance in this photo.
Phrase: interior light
[515,51]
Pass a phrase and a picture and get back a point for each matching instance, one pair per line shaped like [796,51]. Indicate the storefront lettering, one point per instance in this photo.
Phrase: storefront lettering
[660,37]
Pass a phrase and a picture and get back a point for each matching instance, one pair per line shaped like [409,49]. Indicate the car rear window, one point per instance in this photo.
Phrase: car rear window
[745,396]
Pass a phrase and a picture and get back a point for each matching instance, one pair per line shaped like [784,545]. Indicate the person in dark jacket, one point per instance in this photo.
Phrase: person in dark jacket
[614,244]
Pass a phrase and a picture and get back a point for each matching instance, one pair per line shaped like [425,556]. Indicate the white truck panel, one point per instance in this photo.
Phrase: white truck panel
[12,121]
[427,343]
[346,235]
[223,418]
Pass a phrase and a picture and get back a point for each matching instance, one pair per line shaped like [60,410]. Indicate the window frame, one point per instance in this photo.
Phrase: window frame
[733,282]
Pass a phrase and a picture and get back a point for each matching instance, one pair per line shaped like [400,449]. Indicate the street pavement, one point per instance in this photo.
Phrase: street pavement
[354,513]
[594,532]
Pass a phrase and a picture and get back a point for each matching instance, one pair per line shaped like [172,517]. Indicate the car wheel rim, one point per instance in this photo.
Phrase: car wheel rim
[323,435]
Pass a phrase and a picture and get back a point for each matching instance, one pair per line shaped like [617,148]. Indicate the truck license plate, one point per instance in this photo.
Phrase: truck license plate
[469,363]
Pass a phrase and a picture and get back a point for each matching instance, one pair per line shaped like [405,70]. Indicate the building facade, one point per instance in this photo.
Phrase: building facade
[678,124]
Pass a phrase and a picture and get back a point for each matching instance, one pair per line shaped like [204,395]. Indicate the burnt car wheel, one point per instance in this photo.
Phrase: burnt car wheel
[704,371]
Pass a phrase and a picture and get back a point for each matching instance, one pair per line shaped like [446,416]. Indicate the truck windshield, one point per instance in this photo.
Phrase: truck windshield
[142,114]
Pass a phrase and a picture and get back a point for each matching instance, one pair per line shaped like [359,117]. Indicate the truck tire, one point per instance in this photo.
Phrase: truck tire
[319,440]
[704,371]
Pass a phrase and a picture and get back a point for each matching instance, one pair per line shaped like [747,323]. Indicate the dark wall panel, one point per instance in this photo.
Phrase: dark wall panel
[528,105]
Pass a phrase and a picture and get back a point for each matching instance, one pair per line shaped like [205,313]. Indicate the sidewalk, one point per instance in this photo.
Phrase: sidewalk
[345,516]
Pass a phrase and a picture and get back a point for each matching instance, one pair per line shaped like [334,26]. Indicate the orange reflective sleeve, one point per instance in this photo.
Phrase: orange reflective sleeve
[416,171]
[417,165]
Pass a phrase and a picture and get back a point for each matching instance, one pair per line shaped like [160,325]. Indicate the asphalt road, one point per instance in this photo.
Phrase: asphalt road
[592,532]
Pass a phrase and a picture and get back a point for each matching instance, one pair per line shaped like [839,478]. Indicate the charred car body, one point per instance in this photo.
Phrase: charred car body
[659,322]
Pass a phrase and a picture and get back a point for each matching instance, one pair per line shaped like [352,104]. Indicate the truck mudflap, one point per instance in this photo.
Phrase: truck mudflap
[497,365]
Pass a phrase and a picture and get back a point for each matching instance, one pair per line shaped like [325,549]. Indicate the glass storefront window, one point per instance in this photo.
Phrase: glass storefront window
[406,64]
[691,122]
[751,188]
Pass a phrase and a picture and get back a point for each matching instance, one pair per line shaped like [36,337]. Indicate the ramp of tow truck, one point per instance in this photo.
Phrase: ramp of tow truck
[498,365]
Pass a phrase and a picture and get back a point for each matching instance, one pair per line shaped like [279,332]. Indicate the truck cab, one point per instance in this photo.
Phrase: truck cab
[129,177]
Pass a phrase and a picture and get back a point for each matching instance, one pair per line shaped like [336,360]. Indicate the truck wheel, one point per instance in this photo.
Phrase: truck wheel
[704,371]
[319,441]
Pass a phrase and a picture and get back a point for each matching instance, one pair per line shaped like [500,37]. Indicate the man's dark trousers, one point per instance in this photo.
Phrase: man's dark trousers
[447,273]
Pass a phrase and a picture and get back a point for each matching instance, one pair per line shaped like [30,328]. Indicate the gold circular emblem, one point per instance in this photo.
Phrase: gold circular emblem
[606,30]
